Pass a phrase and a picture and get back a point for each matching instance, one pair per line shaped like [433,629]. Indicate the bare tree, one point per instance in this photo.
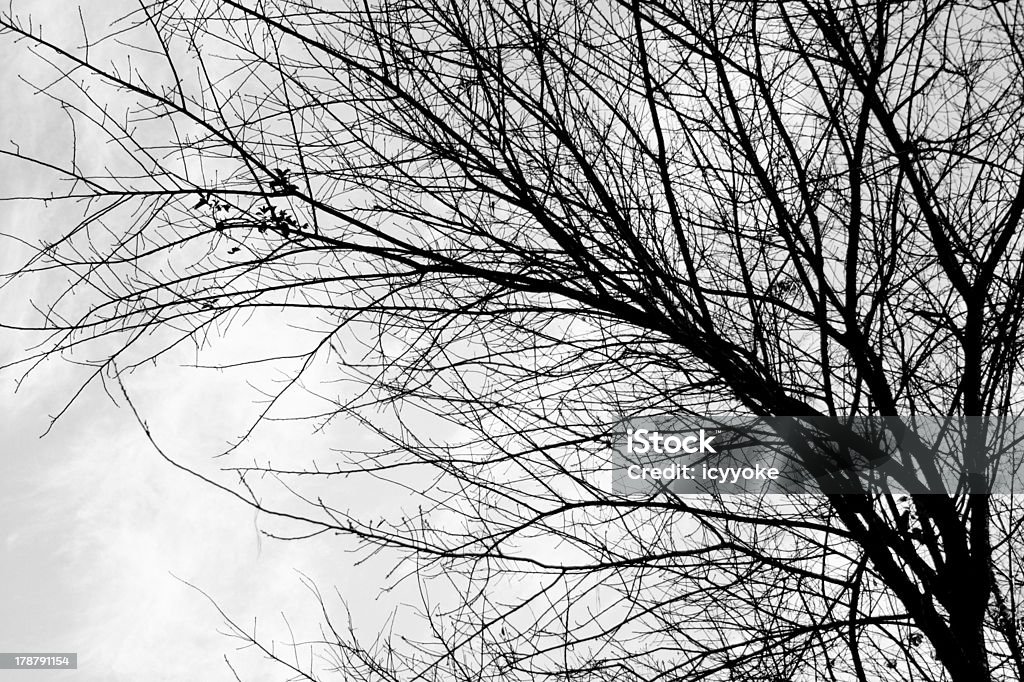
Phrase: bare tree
[530,219]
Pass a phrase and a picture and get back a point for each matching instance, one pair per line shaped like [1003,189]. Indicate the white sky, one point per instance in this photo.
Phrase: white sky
[94,525]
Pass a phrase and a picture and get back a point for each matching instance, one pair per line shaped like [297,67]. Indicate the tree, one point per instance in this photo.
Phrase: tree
[536,217]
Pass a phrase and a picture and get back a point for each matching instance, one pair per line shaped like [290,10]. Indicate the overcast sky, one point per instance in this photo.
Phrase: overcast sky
[94,525]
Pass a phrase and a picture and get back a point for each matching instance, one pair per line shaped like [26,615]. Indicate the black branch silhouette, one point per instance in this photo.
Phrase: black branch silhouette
[537,217]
